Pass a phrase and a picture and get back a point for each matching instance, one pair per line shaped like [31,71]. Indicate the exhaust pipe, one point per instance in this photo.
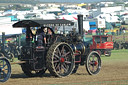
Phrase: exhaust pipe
[80,24]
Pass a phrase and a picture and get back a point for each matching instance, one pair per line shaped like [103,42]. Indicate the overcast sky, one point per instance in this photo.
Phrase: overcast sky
[75,1]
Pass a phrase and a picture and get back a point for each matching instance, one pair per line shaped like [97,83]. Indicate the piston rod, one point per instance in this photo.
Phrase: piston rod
[18,62]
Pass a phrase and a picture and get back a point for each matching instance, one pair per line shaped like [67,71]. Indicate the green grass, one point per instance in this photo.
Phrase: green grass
[117,55]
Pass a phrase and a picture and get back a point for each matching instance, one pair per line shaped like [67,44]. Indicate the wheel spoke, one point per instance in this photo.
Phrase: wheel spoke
[93,68]
[97,59]
[56,61]
[58,50]
[64,68]
[4,74]
[67,62]
[1,62]
[56,56]
[90,63]
[60,69]
[93,56]
[57,67]
[66,54]
[97,66]
[6,69]
[65,65]
[62,50]
[89,66]
[4,65]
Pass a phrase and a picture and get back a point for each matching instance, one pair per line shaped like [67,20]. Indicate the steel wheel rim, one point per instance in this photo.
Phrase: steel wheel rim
[5,70]
[94,63]
[2,55]
[62,60]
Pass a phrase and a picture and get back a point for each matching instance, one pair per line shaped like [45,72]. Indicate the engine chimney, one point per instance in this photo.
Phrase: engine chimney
[80,24]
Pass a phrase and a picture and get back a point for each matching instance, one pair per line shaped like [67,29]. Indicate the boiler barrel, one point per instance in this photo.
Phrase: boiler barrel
[79,47]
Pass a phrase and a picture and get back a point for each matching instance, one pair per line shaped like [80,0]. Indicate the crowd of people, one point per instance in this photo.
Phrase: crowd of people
[121,30]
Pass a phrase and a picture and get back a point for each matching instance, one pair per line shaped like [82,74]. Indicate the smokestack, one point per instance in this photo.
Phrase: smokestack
[80,24]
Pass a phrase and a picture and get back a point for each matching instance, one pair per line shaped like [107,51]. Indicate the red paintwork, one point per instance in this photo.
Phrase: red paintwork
[101,45]
[62,60]
[96,63]
[77,53]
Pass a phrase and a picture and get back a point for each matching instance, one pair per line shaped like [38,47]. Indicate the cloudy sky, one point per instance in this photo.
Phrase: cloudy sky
[75,1]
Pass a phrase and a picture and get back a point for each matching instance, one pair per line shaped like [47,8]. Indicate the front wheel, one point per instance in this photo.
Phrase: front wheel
[93,63]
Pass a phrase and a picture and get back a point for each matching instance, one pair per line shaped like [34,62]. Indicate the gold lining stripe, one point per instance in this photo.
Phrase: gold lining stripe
[75,47]
[83,48]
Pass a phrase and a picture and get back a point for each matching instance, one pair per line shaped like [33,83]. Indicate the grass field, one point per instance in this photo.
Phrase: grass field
[117,56]
[114,71]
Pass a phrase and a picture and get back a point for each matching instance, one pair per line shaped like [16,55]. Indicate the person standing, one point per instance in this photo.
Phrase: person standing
[120,30]
[123,29]
[117,32]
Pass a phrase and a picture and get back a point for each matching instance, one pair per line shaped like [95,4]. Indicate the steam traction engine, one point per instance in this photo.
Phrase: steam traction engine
[61,54]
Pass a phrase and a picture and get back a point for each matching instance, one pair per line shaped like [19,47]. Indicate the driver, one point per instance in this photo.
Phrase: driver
[41,37]
[45,30]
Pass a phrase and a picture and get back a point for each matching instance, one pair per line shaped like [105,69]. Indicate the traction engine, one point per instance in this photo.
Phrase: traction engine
[61,54]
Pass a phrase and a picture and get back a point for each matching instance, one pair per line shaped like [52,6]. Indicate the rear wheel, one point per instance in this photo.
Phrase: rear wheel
[31,73]
[93,63]
[60,59]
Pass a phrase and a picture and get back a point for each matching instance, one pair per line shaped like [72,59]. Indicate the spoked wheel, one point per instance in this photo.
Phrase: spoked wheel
[32,73]
[93,63]
[5,69]
[60,59]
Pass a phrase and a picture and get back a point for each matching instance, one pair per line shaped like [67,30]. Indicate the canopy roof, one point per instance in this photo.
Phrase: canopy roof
[40,23]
